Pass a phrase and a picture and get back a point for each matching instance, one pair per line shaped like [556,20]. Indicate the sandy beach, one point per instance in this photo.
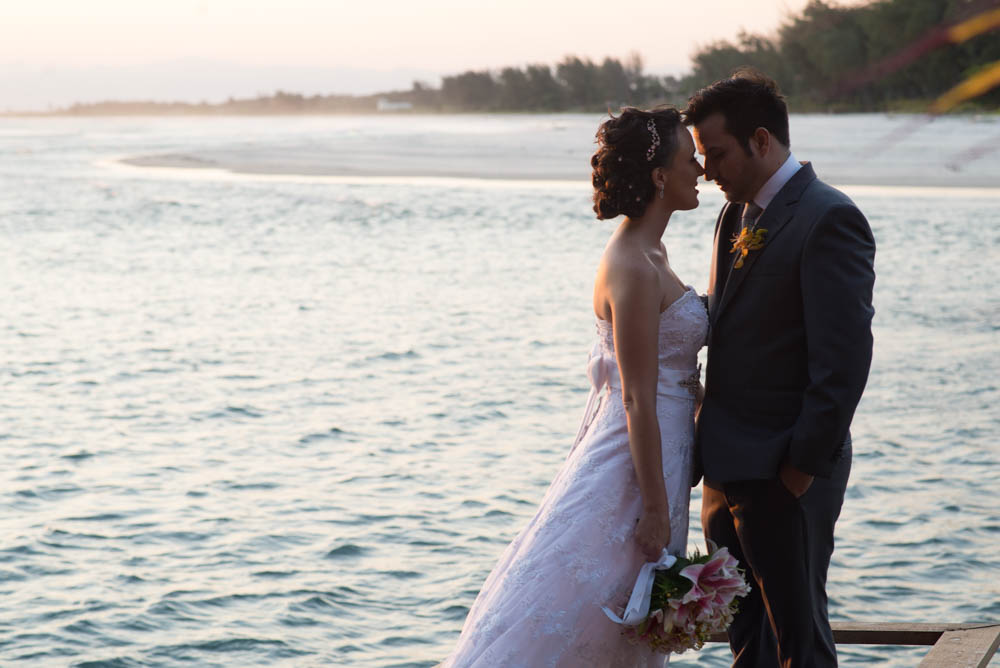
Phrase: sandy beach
[887,151]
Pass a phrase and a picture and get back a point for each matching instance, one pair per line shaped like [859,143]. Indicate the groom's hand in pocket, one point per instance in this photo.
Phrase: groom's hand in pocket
[794,480]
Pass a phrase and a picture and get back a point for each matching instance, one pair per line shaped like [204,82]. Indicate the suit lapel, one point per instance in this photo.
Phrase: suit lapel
[775,217]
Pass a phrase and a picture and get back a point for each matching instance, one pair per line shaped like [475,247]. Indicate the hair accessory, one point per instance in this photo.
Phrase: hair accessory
[655,142]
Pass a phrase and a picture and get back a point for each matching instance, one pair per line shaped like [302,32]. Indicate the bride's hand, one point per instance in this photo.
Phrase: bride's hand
[653,533]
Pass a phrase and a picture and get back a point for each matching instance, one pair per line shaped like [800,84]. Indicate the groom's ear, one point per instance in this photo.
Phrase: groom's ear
[761,142]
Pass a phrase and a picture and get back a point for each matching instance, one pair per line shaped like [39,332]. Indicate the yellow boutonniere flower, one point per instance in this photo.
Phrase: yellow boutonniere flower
[747,241]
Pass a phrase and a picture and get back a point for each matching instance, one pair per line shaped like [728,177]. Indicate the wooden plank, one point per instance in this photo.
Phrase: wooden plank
[968,648]
[856,633]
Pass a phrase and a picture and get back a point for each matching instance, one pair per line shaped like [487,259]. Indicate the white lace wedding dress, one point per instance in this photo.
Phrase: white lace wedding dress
[541,605]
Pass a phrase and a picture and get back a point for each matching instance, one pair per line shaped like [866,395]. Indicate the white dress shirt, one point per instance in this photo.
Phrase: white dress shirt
[776,182]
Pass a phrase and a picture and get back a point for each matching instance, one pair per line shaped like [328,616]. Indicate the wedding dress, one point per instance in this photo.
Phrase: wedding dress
[541,605]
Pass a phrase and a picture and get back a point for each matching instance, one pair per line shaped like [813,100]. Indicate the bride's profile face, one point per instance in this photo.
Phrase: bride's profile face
[681,188]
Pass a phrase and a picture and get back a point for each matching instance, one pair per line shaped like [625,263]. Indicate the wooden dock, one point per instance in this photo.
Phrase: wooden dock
[952,645]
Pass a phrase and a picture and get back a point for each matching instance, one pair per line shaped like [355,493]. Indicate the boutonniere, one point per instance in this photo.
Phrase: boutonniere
[747,241]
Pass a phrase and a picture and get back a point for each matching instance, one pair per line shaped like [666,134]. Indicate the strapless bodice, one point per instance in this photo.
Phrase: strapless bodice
[683,331]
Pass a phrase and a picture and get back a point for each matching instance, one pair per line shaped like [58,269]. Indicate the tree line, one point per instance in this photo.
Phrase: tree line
[821,57]
[572,84]
[825,58]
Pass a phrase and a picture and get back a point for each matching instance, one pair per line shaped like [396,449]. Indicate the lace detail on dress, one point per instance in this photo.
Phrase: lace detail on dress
[541,605]
[683,326]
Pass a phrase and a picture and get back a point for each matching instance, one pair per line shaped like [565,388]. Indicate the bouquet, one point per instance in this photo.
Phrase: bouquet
[677,602]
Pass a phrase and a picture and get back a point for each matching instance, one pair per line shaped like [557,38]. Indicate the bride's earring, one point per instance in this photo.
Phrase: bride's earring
[661,191]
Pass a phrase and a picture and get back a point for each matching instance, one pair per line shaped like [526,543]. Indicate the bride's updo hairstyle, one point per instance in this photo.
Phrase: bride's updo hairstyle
[627,153]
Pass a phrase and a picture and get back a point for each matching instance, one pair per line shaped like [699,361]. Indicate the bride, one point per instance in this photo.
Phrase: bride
[622,494]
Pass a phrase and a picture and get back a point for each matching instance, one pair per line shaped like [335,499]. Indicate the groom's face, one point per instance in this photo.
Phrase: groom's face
[726,160]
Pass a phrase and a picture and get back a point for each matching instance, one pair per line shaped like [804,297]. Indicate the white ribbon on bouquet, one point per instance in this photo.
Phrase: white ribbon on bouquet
[638,603]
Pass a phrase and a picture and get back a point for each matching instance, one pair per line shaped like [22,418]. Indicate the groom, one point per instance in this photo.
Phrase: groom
[790,306]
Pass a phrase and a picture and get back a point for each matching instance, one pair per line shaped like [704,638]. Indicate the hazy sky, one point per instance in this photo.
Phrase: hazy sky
[379,37]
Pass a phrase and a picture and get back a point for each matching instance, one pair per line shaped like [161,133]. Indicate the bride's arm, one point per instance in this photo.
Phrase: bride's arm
[634,297]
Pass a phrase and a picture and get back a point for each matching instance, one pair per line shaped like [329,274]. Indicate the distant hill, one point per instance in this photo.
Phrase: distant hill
[188,81]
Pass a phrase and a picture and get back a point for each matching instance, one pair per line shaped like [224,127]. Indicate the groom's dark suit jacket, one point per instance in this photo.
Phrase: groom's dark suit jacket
[790,339]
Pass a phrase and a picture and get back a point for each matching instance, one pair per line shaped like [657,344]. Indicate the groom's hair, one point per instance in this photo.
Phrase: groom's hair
[748,100]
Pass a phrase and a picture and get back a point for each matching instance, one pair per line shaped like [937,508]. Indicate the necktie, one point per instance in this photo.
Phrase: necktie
[749,215]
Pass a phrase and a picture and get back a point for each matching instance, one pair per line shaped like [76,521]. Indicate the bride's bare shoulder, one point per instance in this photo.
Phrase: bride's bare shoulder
[624,272]
[625,261]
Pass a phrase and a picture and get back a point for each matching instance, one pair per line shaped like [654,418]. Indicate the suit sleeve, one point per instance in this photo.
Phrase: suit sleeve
[720,254]
[837,278]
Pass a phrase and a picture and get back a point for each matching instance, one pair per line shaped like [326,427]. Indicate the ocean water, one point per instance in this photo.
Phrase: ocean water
[255,420]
